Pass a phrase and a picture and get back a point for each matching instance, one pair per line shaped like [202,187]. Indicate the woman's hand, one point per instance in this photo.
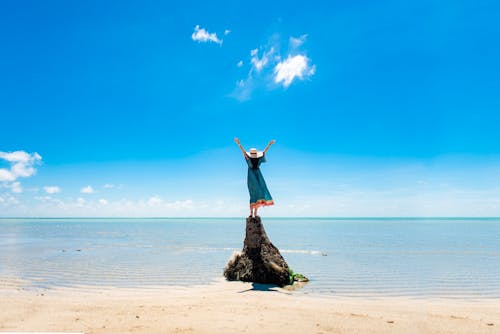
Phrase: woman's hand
[237,141]
[269,145]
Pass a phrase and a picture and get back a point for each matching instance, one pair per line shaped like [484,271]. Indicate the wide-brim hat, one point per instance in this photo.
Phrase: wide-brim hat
[253,153]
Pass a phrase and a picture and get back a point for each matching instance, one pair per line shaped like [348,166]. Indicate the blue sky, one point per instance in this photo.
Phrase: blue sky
[129,108]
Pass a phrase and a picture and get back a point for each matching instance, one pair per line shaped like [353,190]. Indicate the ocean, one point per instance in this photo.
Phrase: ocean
[374,257]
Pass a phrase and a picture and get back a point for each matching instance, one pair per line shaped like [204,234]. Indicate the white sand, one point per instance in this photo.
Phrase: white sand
[232,307]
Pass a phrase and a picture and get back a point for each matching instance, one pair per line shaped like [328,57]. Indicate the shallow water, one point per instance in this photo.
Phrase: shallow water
[451,258]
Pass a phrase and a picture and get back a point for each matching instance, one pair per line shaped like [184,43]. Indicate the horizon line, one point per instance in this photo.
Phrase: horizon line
[272,217]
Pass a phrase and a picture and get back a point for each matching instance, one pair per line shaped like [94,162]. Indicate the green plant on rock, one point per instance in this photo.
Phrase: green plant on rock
[293,276]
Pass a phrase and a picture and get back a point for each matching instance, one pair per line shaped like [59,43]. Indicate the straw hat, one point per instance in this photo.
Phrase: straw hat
[254,153]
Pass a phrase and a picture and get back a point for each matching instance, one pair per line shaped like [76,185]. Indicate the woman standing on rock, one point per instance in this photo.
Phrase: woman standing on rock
[259,195]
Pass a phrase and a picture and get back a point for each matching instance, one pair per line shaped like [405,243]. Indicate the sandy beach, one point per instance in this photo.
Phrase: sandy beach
[231,307]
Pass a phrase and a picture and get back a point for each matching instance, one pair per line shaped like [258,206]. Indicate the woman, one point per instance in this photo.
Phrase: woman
[259,195]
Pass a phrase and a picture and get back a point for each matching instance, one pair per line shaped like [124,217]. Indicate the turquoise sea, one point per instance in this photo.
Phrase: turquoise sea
[449,258]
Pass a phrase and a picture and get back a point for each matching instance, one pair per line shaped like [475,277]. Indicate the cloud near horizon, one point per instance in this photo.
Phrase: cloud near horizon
[15,187]
[87,190]
[346,203]
[154,206]
[52,189]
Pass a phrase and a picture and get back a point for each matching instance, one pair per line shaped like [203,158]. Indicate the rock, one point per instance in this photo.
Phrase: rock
[259,261]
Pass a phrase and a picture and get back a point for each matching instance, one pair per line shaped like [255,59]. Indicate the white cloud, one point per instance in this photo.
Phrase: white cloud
[87,190]
[269,67]
[155,206]
[179,205]
[155,200]
[43,198]
[52,189]
[15,187]
[293,67]
[257,74]
[6,175]
[202,35]
[295,42]
[109,186]
[11,200]
[21,165]
[80,201]
[19,156]
[226,32]
[259,63]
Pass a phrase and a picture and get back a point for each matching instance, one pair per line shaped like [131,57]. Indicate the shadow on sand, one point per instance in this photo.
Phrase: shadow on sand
[265,288]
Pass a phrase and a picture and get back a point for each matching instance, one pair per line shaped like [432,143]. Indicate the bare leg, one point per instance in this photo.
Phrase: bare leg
[255,214]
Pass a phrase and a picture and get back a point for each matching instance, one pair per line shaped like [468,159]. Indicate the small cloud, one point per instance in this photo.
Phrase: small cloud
[202,36]
[109,186]
[43,198]
[21,165]
[10,200]
[52,189]
[240,63]
[295,42]
[243,89]
[260,63]
[155,200]
[226,32]
[103,201]
[15,187]
[1,199]
[178,205]
[87,190]
[293,67]
[80,201]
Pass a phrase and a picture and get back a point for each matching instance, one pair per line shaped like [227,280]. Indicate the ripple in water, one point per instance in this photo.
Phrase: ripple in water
[346,257]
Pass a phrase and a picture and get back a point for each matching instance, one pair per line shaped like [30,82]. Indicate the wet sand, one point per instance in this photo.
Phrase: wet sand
[233,307]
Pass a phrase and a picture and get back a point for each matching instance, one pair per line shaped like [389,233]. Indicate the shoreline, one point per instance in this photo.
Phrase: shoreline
[230,307]
[11,285]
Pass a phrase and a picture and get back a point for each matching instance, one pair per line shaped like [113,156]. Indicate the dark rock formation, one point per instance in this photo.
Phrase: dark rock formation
[259,261]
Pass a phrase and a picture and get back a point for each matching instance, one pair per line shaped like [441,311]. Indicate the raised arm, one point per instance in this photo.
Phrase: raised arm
[237,141]
[269,145]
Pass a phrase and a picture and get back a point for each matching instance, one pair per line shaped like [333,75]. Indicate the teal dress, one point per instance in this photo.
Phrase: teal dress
[259,194]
